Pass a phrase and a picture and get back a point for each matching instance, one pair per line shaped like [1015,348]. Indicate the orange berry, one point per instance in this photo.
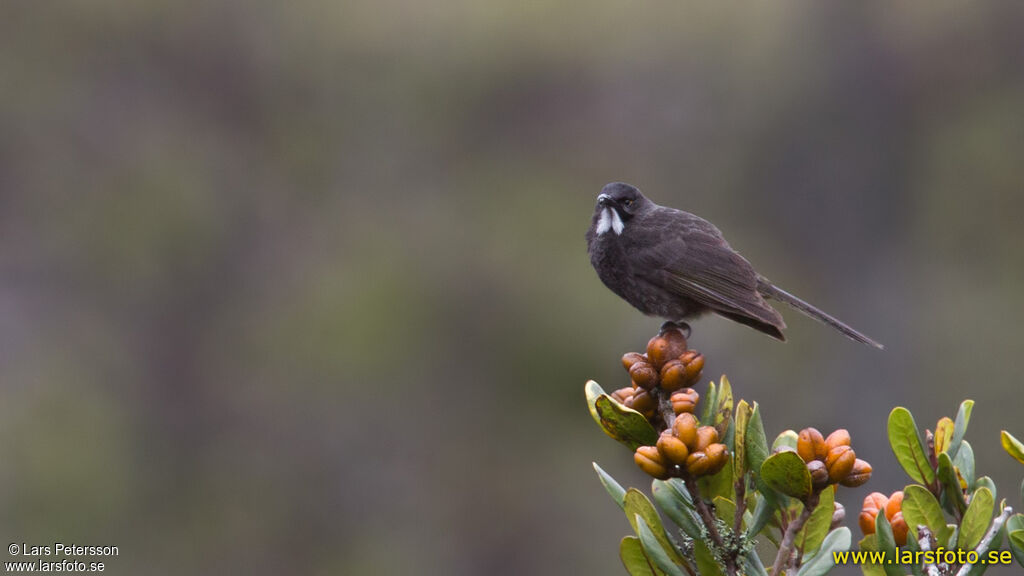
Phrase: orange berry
[666,346]
[810,445]
[873,503]
[900,529]
[630,358]
[698,463]
[694,362]
[685,428]
[642,402]
[706,436]
[840,461]
[894,505]
[684,400]
[860,474]
[622,394]
[718,456]
[650,461]
[644,375]
[867,523]
[672,448]
[673,375]
[840,437]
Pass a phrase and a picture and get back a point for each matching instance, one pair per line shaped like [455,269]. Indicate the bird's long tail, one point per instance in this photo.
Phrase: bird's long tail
[769,290]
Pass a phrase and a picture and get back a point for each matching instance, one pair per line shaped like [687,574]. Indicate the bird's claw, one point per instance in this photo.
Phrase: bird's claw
[681,326]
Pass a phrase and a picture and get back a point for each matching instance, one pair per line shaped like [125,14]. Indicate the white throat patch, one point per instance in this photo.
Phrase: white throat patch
[610,221]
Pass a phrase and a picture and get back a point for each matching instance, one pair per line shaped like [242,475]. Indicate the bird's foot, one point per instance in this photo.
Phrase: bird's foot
[681,326]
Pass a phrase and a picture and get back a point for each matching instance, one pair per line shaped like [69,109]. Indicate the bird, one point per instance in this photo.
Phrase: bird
[677,266]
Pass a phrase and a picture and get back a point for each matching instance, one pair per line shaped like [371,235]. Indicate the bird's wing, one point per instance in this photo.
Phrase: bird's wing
[694,261]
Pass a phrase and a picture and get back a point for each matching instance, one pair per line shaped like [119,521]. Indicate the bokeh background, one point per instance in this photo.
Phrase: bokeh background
[302,287]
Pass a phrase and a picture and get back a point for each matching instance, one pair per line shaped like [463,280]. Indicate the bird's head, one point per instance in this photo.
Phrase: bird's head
[617,204]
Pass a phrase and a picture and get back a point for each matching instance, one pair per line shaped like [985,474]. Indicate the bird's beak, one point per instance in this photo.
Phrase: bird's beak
[605,200]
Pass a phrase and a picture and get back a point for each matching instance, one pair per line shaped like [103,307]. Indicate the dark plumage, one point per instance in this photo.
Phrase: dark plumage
[672,264]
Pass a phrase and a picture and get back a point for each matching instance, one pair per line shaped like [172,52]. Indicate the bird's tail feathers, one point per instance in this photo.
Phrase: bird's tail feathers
[769,290]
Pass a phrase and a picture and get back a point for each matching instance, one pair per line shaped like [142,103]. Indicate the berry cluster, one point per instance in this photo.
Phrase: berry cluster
[684,448]
[667,366]
[831,460]
[893,507]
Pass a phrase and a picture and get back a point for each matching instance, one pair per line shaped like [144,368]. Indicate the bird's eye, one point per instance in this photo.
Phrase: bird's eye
[627,202]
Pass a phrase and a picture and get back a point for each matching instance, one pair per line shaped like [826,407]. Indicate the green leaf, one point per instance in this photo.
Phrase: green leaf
[728,439]
[920,508]
[994,544]
[886,543]
[964,462]
[872,569]
[723,407]
[1013,446]
[986,482]
[1015,531]
[785,441]
[977,518]
[884,534]
[636,504]
[951,484]
[947,536]
[632,554]
[870,543]
[615,490]
[963,417]
[710,402]
[1017,545]
[912,547]
[814,531]
[624,424]
[593,390]
[837,541]
[673,499]
[751,564]
[943,434]
[1015,522]
[739,444]
[720,484]
[785,472]
[756,445]
[725,509]
[706,563]
[906,445]
[654,549]
[763,512]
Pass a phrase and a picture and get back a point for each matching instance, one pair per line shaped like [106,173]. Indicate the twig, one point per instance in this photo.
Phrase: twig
[709,522]
[664,406]
[924,541]
[741,504]
[983,546]
[686,566]
[786,549]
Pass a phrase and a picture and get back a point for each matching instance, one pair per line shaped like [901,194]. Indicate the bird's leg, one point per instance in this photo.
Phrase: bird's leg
[681,326]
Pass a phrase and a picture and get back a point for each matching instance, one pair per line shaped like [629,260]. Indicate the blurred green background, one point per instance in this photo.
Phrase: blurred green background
[302,287]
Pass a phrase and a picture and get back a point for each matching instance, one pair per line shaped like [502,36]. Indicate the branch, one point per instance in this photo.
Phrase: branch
[786,549]
[925,543]
[664,406]
[709,522]
[986,542]
[741,504]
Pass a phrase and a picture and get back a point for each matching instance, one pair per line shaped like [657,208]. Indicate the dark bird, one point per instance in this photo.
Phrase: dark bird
[677,266]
